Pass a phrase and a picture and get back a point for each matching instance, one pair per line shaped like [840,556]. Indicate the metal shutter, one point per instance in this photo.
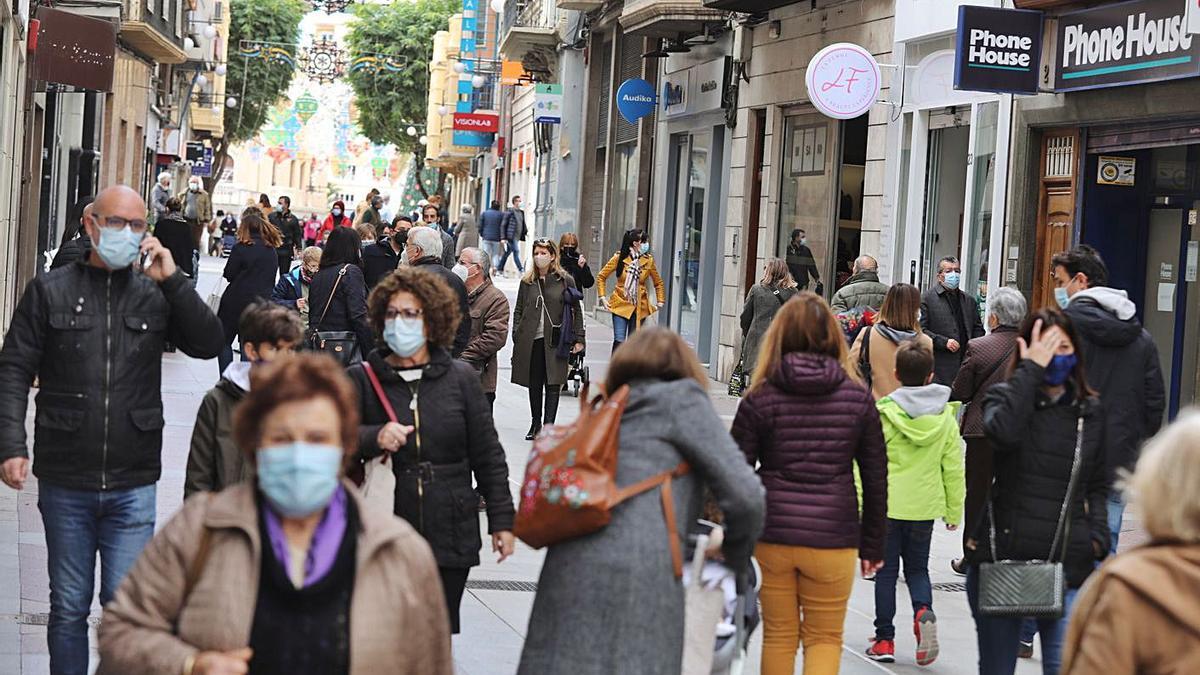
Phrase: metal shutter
[605,93]
[630,67]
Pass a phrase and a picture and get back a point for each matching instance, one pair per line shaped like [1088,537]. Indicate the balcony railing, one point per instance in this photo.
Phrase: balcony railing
[529,23]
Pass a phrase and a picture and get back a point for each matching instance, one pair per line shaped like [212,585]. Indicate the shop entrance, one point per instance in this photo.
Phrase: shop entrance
[1140,213]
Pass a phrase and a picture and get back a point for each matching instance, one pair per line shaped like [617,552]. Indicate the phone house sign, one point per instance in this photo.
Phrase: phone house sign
[1126,43]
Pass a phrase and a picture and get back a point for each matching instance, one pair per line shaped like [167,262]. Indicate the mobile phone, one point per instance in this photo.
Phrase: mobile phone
[147,260]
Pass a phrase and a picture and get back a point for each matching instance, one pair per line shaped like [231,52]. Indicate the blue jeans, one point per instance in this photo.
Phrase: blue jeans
[623,328]
[998,637]
[78,523]
[1116,513]
[907,540]
[511,248]
[492,250]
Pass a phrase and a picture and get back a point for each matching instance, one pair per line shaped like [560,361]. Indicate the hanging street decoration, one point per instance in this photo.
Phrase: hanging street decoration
[305,107]
[373,63]
[268,51]
[323,61]
[331,6]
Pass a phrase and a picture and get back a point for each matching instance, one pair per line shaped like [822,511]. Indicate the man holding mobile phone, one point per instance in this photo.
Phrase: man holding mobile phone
[92,333]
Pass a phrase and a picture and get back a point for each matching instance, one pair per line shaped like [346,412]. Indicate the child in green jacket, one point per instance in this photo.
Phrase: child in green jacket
[926,481]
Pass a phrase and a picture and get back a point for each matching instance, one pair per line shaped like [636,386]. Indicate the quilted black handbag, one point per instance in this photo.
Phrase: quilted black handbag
[341,345]
[1029,588]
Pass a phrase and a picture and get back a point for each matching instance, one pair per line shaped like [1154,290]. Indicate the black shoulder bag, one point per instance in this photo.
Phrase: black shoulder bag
[864,357]
[340,344]
[1030,588]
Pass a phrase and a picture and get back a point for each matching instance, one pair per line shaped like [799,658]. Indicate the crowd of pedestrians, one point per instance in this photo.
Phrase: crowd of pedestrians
[378,351]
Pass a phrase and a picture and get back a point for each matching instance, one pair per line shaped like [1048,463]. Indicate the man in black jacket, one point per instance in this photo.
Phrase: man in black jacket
[382,257]
[424,250]
[92,333]
[289,228]
[1121,360]
[951,319]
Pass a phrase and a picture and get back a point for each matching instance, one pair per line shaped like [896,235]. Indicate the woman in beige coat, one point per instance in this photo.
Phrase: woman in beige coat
[292,574]
[899,320]
[1140,613]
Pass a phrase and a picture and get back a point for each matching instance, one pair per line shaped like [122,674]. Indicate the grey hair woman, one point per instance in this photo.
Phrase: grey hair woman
[762,302]
[984,366]
[467,231]
[1141,605]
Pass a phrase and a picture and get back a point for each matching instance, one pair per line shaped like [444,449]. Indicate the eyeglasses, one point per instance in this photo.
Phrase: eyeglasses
[429,217]
[542,242]
[118,223]
[393,314]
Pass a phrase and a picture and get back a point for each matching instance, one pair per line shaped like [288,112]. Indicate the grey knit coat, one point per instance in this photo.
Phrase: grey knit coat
[609,602]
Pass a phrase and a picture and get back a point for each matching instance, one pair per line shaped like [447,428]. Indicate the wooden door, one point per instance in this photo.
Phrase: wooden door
[1060,161]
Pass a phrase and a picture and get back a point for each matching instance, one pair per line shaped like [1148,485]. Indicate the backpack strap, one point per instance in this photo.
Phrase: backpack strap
[668,505]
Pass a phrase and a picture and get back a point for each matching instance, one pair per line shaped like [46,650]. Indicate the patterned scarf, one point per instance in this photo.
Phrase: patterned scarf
[633,274]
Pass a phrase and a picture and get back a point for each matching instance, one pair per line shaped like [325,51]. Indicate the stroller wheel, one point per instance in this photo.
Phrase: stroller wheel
[585,375]
[575,388]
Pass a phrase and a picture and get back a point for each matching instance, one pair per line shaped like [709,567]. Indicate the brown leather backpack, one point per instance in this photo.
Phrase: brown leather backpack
[570,480]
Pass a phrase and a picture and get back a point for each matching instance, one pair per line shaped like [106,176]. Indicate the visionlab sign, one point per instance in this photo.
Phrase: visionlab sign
[998,50]
[1126,43]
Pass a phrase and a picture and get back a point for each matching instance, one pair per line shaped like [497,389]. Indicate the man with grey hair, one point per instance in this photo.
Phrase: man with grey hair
[424,250]
[863,289]
[950,318]
[489,317]
[985,364]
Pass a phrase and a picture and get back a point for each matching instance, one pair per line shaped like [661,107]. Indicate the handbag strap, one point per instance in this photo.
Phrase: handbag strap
[668,505]
[1062,515]
[378,387]
[332,293]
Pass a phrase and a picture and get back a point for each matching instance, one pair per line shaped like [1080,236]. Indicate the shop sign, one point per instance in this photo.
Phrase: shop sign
[547,103]
[636,99]
[485,122]
[472,139]
[998,50]
[674,94]
[1126,43]
[843,80]
[1116,170]
[808,150]
[1193,17]
[74,50]
[695,90]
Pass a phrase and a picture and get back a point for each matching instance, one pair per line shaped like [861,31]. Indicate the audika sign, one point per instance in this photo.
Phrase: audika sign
[998,50]
[1126,43]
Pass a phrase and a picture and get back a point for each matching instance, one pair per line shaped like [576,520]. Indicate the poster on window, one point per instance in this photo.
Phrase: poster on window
[808,150]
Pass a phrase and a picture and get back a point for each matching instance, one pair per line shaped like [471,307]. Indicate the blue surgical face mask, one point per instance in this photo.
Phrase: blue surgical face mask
[119,248]
[1062,298]
[644,248]
[337,212]
[1059,369]
[404,337]
[298,479]
[952,279]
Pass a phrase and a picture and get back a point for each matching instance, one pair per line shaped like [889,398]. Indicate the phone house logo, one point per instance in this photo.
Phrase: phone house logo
[998,50]
[1138,38]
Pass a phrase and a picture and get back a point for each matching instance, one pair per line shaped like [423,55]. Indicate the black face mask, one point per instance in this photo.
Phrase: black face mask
[569,252]
[401,238]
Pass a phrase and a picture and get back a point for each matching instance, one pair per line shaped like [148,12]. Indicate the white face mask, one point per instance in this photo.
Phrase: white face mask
[460,270]
[542,261]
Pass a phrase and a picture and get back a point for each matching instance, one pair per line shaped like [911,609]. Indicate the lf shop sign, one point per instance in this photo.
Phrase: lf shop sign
[998,50]
[1126,43]
[843,80]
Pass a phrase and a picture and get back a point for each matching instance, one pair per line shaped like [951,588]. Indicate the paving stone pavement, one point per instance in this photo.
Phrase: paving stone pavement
[499,597]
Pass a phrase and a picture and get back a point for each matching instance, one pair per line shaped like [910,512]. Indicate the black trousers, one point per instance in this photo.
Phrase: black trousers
[538,386]
[454,582]
[491,397]
[285,262]
[979,465]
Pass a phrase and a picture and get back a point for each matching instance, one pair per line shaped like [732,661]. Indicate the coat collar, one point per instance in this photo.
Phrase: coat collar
[487,283]
[237,508]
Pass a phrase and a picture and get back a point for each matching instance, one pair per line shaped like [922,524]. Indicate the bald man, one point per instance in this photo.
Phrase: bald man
[863,289]
[92,333]
[75,245]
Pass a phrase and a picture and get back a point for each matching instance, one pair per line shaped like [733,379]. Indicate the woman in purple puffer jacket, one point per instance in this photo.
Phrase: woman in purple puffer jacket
[805,424]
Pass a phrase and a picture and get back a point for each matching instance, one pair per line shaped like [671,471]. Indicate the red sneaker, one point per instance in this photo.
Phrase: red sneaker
[883,651]
[925,628]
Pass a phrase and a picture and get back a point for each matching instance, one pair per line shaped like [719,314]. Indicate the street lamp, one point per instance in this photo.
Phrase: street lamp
[424,140]
[459,67]
[478,81]
[411,131]
[210,31]
[443,111]
[201,80]
[189,43]
[231,102]
[221,69]
[498,6]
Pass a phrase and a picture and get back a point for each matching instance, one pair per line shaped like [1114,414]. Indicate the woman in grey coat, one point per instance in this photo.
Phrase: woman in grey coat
[537,328]
[609,602]
[467,232]
[764,300]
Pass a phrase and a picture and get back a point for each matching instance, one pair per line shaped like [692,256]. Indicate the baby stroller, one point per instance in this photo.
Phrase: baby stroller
[714,592]
[578,375]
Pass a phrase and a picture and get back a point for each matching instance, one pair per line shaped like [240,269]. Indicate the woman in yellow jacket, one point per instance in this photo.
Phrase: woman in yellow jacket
[634,269]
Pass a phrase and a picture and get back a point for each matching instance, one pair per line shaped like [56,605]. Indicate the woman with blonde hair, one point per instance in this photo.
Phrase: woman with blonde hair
[805,423]
[547,329]
[1139,612]
[874,350]
[762,303]
[629,617]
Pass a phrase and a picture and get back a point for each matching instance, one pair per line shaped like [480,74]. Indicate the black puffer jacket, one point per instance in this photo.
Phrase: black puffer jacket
[1033,439]
[94,340]
[457,439]
[1122,365]
[347,309]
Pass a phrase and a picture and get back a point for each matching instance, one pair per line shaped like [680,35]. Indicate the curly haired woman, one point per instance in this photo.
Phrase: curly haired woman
[415,317]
